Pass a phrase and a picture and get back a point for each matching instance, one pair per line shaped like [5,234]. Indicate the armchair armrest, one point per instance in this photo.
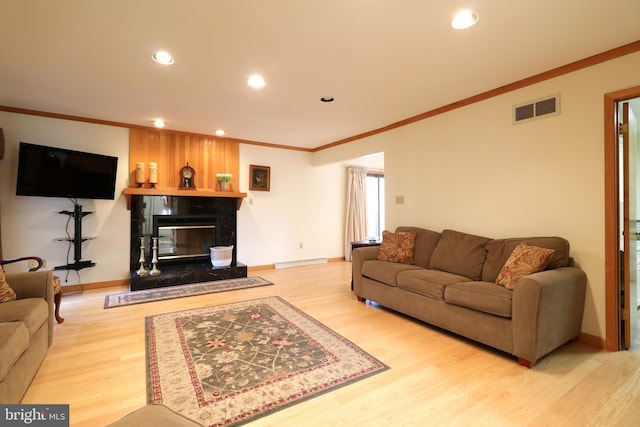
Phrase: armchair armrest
[547,311]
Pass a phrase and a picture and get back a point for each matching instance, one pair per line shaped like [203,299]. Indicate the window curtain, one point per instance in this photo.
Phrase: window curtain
[356,218]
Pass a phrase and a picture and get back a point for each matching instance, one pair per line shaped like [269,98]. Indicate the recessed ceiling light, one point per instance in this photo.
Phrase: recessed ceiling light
[327,99]
[220,132]
[159,123]
[464,19]
[162,57]
[256,81]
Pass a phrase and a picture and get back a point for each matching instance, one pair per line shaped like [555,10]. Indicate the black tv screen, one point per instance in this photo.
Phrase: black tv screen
[57,172]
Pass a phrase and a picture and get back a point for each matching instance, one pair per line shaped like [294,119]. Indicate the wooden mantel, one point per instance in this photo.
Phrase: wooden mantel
[171,150]
[168,191]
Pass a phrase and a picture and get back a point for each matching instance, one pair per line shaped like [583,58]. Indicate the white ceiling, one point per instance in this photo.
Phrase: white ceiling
[382,60]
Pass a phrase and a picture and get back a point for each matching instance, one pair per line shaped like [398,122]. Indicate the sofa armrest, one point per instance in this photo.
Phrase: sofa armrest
[32,284]
[358,257]
[37,284]
[547,311]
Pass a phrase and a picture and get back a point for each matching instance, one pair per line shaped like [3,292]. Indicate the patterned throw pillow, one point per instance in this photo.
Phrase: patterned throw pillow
[6,293]
[397,247]
[524,260]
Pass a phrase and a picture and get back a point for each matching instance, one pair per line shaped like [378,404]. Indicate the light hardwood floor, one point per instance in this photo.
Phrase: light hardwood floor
[97,365]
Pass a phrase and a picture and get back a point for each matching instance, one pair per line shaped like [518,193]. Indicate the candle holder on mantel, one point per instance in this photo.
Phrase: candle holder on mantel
[142,271]
[154,261]
[140,174]
[153,174]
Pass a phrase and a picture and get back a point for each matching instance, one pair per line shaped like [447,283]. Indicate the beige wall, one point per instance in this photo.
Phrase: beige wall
[30,224]
[305,205]
[473,170]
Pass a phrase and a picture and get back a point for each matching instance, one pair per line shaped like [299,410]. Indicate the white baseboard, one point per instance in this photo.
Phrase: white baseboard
[289,264]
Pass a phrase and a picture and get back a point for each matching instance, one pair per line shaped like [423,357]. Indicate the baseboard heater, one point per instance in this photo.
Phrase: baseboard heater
[300,263]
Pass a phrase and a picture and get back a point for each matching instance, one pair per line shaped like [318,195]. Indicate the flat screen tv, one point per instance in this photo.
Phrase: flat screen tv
[58,172]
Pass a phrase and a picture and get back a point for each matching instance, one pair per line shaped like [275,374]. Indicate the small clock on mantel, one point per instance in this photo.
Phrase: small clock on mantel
[187,175]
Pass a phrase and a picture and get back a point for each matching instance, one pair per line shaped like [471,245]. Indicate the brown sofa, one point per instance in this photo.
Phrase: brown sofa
[26,331]
[451,284]
[155,415]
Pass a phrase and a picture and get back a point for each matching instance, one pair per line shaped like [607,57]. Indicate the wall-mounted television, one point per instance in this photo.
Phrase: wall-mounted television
[58,172]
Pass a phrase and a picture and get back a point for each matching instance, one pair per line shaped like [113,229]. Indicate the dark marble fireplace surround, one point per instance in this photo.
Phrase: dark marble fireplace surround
[220,212]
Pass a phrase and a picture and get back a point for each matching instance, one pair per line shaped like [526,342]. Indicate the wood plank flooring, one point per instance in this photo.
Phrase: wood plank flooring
[97,365]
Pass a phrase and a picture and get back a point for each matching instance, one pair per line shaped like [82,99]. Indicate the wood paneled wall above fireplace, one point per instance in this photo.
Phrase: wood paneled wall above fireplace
[171,150]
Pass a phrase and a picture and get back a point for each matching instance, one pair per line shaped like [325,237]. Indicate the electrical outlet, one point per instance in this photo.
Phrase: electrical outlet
[300,245]
[399,200]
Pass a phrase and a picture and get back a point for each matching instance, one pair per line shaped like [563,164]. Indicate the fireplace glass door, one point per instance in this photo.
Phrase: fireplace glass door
[182,237]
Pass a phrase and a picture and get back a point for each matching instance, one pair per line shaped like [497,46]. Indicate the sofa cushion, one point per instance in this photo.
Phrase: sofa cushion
[499,250]
[33,312]
[14,340]
[6,293]
[524,260]
[426,241]
[481,296]
[460,253]
[397,247]
[385,272]
[430,283]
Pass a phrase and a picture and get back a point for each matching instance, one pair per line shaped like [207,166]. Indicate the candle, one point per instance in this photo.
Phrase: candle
[153,173]
[140,173]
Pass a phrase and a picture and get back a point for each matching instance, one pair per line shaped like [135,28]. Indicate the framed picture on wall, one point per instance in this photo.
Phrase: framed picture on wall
[259,178]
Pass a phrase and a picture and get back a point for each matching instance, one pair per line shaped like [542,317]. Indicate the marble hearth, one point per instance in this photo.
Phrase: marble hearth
[186,227]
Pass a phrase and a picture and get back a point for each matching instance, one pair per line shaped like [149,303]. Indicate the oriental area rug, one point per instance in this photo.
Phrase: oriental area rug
[230,364]
[169,292]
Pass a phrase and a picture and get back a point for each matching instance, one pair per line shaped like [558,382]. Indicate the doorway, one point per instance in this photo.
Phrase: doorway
[622,219]
[375,204]
[630,112]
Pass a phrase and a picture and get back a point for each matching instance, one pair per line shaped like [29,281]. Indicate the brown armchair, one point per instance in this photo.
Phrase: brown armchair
[57,289]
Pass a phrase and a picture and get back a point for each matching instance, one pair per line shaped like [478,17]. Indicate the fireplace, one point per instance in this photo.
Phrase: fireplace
[186,227]
[184,236]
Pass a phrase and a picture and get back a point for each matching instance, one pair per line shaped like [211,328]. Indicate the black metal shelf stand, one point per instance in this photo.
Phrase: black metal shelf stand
[77,214]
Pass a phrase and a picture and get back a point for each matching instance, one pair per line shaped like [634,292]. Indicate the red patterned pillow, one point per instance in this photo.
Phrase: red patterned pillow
[524,260]
[6,293]
[397,247]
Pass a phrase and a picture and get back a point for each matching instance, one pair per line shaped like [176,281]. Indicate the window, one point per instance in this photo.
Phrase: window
[375,204]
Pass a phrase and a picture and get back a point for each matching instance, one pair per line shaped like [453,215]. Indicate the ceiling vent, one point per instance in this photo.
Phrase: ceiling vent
[545,107]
